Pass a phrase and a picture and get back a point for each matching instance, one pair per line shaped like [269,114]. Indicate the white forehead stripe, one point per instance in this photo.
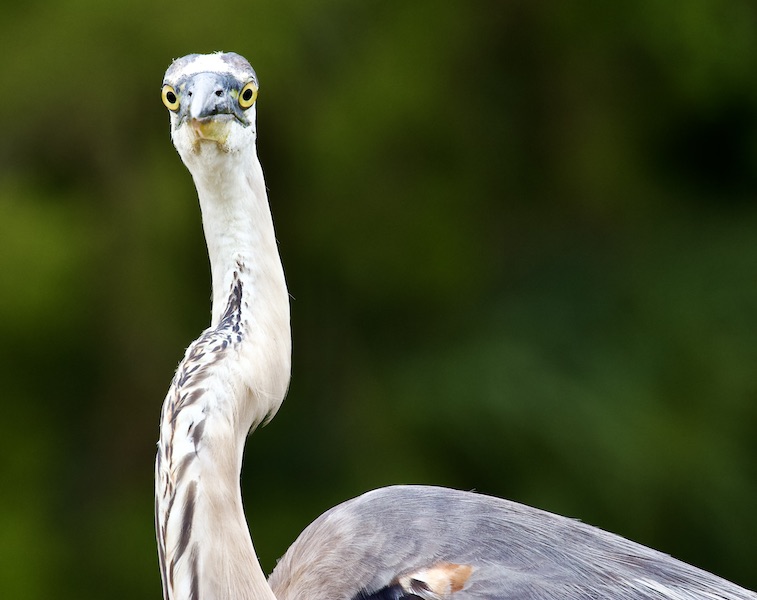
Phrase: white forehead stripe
[210,63]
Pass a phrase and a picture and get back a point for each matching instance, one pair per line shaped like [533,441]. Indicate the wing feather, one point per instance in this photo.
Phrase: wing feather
[385,542]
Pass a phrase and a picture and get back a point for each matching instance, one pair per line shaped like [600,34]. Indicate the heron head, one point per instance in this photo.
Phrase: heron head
[211,99]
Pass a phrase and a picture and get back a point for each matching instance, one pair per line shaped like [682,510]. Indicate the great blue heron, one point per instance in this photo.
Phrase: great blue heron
[393,543]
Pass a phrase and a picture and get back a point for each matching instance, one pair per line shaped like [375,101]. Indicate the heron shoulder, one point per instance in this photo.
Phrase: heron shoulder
[435,543]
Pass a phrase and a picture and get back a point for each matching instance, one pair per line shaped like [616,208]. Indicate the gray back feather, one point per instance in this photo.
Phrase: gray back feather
[516,551]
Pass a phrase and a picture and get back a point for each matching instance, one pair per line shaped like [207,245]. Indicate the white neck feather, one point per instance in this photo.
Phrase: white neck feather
[238,226]
[231,379]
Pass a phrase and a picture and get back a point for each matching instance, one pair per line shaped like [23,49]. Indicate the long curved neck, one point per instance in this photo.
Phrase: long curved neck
[231,379]
[239,228]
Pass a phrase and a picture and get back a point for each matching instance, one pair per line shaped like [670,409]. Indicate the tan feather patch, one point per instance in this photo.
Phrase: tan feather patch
[438,581]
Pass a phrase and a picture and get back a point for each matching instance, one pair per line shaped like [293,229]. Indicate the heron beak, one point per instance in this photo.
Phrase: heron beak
[211,107]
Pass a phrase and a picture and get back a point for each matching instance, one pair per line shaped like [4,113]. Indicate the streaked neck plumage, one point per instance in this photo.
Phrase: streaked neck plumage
[231,379]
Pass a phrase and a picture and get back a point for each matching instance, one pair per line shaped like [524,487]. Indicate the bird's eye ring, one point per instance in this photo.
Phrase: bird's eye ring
[170,99]
[248,95]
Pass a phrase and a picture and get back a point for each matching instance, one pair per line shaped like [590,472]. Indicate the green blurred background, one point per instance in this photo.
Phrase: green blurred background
[520,237]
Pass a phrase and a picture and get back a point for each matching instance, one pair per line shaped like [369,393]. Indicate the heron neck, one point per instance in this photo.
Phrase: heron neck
[250,297]
[205,548]
[239,229]
[233,377]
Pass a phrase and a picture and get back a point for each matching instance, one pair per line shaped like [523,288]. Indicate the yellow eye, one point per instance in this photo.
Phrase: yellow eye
[170,99]
[248,95]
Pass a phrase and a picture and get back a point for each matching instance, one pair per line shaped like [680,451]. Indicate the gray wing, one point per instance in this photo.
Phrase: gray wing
[434,543]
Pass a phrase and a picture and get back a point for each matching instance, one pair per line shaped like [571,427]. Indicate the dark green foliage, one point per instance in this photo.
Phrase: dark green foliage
[521,238]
